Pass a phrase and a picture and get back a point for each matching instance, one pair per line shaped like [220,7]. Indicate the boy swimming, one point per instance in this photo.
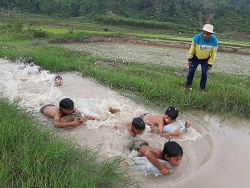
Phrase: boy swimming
[162,120]
[137,126]
[58,80]
[172,153]
[66,107]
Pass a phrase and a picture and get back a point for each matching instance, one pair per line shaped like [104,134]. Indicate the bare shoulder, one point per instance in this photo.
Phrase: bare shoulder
[155,151]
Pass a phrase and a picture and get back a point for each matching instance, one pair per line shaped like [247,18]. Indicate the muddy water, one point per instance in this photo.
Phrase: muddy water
[225,62]
[215,150]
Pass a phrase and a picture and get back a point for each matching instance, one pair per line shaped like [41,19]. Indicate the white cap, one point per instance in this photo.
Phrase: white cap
[208,27]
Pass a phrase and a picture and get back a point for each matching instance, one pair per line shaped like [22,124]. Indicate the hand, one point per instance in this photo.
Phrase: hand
[209,68]
[189,63]
[188,124]
[152,128]
[176,133]
[84,119]
[164,171]
[76,123]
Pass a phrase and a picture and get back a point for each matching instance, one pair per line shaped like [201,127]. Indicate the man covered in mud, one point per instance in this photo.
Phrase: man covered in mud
[65,108]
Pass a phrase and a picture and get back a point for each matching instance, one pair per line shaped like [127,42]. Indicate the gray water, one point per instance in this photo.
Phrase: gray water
[216,150]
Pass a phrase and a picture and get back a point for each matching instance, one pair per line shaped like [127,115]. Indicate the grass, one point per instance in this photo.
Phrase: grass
[34,156]
[156,84]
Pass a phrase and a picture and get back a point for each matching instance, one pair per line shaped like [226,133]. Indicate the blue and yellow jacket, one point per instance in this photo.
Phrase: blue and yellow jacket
[203,50]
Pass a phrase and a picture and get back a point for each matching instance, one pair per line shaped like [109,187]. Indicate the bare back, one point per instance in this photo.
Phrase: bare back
[52,111]
[152,120]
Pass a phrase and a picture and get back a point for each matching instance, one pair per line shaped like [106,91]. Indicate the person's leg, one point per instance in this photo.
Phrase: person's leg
[204,69]
[191,72]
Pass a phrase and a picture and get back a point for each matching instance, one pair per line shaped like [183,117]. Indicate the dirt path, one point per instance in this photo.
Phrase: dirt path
[145,52]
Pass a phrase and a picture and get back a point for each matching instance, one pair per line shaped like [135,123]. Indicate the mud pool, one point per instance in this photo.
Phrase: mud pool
[215,149]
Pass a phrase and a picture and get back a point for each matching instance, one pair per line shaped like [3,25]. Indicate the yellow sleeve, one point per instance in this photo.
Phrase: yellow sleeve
[191,50]
[211,60]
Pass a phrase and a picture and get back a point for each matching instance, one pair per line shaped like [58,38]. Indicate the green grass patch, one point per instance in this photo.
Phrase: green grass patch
[156,84]
[32,155]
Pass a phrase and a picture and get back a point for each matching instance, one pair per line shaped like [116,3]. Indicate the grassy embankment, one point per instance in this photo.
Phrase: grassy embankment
[32,156]
[156,85]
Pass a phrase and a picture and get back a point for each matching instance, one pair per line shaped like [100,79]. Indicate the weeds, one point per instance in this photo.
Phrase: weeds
[37,157]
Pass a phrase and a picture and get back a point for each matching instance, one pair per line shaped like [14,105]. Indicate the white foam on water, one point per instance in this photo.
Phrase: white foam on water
[105,106]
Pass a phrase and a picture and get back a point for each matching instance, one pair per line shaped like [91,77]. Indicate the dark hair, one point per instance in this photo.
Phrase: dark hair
[172,149]
[138,123]
[29,60]
[58,77]
[66,103]
[172,112]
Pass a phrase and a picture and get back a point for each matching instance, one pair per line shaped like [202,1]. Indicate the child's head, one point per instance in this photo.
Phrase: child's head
[172,152]
[138,125]
[58,80]
[66,106]
[171,114]
[30,62]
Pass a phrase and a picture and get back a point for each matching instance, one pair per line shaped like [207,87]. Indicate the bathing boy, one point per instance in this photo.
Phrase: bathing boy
[162,120]
[137,126]
[172,152]
[66,107]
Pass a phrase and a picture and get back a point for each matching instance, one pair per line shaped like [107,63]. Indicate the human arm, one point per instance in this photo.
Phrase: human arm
[75,123]
[169,134]
[191,53]
[129,128]
[188,124]
[152,157]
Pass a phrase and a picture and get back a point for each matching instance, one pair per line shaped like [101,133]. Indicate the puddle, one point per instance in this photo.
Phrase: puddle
[215,150]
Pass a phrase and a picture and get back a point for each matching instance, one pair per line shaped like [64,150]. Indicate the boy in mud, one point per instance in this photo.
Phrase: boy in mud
[172,153]
[137,126]
[32,68]
[162,120]
[66,107]
[58,80]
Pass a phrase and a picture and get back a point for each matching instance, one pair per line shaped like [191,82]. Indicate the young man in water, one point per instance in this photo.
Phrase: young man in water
[162,120]
[172,153]
[137,126]
[66,107]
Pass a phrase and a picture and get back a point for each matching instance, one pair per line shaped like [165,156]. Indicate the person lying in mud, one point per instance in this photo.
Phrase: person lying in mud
[137,126]
[65,108]
[32,68]
[163,120]
[172,153]
[58,80]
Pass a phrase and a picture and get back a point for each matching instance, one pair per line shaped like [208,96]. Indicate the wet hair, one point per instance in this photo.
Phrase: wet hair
[138,123]
[66,103]
[172,149]
[29,60]
[58,77]
[172,112]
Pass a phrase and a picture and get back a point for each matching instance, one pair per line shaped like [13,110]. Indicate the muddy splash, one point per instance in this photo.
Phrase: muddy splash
[214,148]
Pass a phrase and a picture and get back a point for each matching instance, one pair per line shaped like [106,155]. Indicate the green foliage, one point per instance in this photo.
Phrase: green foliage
[33,156]
[191,14]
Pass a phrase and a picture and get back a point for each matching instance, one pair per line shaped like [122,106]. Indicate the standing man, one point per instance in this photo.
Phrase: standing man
[202,51]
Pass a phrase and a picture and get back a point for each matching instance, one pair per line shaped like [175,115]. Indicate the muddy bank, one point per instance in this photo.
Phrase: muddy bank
[167,43]
[171,54]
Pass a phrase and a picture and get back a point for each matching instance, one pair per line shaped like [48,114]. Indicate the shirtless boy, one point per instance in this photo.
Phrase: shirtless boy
[66,107]
[172,152]
[137,126]
[162,120]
